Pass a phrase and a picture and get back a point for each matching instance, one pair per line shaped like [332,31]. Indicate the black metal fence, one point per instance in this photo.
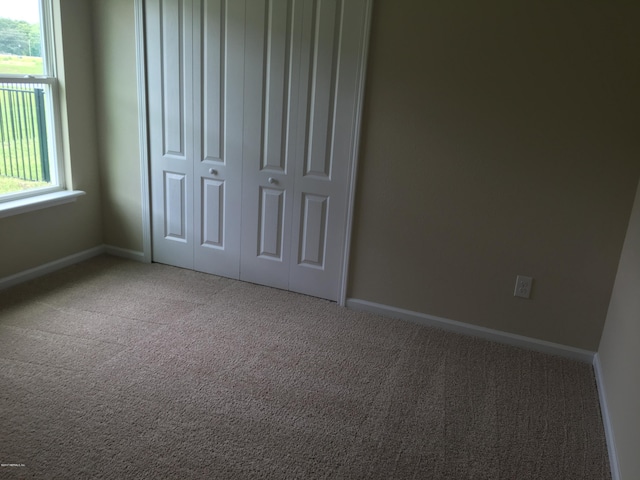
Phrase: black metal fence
[24,151]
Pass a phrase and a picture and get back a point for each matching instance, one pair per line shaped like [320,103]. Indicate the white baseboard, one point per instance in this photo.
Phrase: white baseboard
[585,356]
[125,253]
[50,267]
[606,420]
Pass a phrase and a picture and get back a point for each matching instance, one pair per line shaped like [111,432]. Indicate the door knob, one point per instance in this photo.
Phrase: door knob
[213,171]
[272,181]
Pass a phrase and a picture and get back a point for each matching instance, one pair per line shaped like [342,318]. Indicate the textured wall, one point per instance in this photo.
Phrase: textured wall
[34,238]
[499,138]
[117,116]
[620,353]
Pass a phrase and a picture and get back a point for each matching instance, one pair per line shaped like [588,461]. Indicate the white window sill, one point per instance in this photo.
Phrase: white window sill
[37,202]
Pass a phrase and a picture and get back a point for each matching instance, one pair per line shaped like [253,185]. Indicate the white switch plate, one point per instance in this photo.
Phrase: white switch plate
[523,286]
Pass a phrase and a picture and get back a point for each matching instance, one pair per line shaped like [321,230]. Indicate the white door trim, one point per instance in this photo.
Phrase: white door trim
[144,139]
[355,152]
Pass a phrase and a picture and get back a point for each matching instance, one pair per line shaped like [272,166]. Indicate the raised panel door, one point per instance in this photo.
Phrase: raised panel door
[253,108]
[271,77]
[170,67]
[332,47]
[219,34]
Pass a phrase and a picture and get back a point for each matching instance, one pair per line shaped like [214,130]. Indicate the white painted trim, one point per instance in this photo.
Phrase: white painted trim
[543,346]
[126,253]
[38,202]
[353,165]
[606,420]
[141,76]
[50,267]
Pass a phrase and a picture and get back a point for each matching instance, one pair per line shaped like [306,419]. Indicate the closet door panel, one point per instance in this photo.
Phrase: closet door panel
[218,100]
[213,196]
[170,75]
[271,73]
[270,223]
[332,49]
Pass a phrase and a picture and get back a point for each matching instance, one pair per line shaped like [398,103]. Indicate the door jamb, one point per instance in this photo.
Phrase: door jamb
[355,152]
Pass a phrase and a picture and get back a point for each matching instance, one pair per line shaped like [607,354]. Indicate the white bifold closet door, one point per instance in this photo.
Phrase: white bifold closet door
[195,71]
[252,114]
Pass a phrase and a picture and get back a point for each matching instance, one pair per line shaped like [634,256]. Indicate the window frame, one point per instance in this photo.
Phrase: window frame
[53,107]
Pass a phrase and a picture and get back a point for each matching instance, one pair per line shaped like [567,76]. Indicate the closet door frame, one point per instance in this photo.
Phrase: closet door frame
[145,166]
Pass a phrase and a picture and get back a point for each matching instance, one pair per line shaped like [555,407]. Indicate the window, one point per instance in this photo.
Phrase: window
[29,105]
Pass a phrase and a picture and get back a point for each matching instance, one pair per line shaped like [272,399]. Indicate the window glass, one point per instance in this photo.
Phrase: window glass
[28,104]
[20,38]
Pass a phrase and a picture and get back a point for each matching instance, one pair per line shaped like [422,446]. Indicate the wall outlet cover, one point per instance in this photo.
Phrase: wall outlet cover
[523,286]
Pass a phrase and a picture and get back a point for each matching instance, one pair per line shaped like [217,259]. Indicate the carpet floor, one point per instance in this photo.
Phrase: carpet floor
[119,370]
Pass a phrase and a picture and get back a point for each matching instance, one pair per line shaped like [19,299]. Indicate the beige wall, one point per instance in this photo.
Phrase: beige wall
[620,353]
[35,238]
[117,107]
[499,138]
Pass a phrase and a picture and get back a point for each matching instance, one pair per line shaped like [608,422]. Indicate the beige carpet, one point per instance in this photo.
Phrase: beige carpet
[115,369]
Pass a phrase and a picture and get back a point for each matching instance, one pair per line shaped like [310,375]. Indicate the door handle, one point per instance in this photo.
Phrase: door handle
[272,181]
[213,171]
